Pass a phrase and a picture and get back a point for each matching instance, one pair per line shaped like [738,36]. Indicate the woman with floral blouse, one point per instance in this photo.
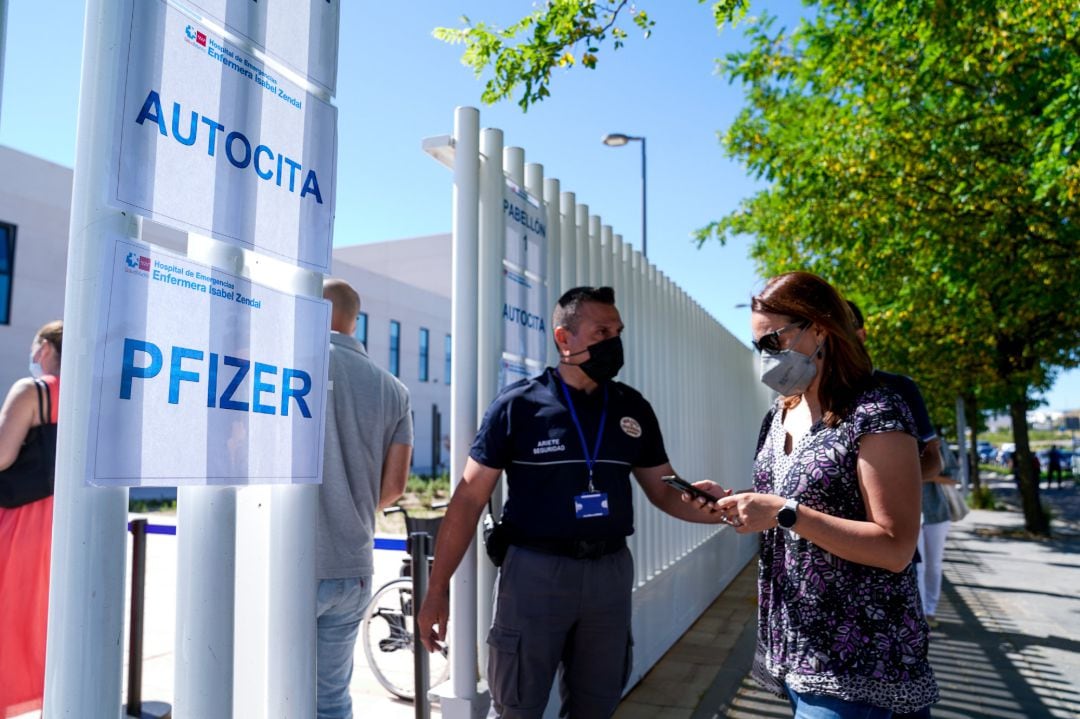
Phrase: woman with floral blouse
[836,497]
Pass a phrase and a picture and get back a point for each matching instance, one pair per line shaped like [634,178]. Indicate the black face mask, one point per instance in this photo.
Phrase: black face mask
[605,359]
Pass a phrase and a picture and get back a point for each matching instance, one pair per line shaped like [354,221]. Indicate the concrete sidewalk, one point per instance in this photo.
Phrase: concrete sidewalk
[1008,645]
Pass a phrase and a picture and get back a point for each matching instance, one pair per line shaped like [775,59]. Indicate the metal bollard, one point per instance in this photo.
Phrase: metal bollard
[135,707]
[138,596]
[420,544]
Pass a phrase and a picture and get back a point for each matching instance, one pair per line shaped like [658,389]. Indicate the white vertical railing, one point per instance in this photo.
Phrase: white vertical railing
[493,158]
[606,242]
[699,378]
[583,272]
[568,259]
[553,199]
[458,700]
[594,250]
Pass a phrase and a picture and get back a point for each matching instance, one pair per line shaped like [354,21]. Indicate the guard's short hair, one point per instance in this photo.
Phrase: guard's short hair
[567,309]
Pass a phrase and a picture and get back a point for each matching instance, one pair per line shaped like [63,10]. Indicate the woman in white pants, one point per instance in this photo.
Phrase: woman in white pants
[935,527]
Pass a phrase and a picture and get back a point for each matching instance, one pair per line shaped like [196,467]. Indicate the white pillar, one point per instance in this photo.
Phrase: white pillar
[582,212]
[205,568]
[513,164]
[489,341]
[607,241]
[554,254]
[594,251]
[534,185]
[461,701]
[86,591]
[292,595]
[568,257]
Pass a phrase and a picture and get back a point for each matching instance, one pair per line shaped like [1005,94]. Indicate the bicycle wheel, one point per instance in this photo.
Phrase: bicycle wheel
[387,633]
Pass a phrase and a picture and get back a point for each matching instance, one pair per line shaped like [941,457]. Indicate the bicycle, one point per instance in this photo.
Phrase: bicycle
[387,628]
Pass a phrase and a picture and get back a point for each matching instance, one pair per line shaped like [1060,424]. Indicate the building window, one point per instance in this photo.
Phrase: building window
[395,348]
[361,329]
[446,360]
[424,334]
[7,270]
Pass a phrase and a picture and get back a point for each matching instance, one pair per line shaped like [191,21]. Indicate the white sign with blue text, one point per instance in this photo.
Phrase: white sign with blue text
[525,308]
[303,36]
[211,140]
[203,378]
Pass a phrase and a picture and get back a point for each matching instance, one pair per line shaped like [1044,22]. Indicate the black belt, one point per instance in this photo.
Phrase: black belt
[573,548]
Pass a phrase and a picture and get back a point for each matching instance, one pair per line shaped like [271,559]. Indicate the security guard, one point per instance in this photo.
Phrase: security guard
[568,441]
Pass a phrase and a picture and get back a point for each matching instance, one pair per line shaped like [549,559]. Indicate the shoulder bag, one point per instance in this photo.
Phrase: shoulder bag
[958,509]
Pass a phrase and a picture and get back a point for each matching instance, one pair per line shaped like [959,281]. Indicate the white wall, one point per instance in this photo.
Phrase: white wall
[385,299]
[423,262]
[34,196]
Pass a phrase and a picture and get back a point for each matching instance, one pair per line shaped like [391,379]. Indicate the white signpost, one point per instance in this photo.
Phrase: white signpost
[238,368]
[177,371]
[525,303]
[209,139]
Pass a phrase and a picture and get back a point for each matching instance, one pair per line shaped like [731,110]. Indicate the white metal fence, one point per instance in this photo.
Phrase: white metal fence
[701,381]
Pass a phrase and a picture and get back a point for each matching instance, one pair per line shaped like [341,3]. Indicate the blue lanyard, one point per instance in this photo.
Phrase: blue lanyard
[590,461]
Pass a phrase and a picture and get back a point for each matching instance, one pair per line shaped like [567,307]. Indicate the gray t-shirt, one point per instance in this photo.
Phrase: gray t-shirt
[368,410]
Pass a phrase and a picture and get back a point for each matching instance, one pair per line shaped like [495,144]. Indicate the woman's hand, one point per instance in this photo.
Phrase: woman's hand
[750,511]
[703,504]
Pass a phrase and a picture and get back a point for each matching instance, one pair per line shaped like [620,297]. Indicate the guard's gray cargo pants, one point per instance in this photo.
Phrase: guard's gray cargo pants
[551,609]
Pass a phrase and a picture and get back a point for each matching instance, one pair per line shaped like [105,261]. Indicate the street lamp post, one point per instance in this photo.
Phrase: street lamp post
[618,139]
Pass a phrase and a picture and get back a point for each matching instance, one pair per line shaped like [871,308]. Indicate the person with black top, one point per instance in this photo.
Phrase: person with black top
[31,405]
[928,440]
[1053,466]
[568,440]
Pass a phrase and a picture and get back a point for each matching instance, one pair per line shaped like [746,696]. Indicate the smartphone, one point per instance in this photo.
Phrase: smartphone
[683,486]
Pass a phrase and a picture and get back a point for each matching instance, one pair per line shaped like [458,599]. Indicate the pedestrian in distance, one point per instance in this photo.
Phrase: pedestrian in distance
[935,529]
[26,530]
[1053,466]
[368,450]
[568,440]
[841,631]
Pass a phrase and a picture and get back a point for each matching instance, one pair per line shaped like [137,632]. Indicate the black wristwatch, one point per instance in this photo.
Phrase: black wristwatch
[787,515]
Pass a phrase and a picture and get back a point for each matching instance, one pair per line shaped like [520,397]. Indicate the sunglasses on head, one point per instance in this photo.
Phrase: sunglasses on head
[770,342]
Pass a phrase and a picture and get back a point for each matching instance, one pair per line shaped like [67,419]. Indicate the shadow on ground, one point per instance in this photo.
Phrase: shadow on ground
[986,667]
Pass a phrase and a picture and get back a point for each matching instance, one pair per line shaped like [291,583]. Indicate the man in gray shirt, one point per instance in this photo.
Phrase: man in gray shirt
[368,449]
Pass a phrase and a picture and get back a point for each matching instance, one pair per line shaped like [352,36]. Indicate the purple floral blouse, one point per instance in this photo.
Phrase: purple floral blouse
[827,625]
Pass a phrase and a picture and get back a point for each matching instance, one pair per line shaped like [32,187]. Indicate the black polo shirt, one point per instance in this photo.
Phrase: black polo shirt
[528,431]
[909,392]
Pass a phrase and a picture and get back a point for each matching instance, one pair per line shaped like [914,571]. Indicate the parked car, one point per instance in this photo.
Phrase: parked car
[986,451]
[1005,453]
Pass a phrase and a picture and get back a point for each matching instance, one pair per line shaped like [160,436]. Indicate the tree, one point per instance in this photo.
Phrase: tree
[916,157]
[920,154]
[561,34]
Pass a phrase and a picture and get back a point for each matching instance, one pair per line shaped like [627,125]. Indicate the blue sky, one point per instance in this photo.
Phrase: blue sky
[397,85]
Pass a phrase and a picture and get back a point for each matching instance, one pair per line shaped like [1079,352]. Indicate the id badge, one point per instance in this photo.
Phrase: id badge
[591,504]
